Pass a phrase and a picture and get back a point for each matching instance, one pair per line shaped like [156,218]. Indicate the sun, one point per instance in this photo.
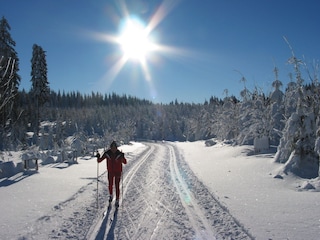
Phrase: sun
[134,40]
[137,41]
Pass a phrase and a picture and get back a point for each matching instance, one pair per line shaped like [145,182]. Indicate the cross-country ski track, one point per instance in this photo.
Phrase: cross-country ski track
[163,199]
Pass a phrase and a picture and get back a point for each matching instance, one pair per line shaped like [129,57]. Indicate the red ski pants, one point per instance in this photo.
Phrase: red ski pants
[114,178]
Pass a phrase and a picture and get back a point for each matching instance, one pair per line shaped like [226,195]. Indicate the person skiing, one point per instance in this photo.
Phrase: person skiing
[115,159]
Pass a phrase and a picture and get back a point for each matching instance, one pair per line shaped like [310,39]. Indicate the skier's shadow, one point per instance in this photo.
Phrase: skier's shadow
[103,226]
[110,235]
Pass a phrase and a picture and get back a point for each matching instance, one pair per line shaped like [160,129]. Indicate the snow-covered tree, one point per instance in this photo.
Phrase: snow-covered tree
[9,81]
[228,121]
[251,115]
[276,110]
[5,77]
[40,85]
[296,148]
[317,148]
[254,119]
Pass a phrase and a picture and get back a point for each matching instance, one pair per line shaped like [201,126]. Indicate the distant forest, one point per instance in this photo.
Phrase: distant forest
[289,119]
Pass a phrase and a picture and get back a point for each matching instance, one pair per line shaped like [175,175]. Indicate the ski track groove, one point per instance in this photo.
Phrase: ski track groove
[130,175]
[161,199]
[155,195]
[227,226]
[158,224]
[199,221]
[127,178]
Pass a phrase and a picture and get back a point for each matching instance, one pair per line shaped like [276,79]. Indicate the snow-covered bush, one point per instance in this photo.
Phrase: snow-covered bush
[261,144]
[296,147]
[210,142]
[8,169]
[48,160]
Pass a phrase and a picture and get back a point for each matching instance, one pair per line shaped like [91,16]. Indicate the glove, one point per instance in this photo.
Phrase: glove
[98,158]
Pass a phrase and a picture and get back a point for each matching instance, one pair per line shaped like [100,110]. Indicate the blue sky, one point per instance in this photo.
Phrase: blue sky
[209,44]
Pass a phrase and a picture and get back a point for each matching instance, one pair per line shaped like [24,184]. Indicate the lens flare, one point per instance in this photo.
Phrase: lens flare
[136,43]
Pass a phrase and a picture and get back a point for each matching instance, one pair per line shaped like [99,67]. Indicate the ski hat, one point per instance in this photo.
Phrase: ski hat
[113,144]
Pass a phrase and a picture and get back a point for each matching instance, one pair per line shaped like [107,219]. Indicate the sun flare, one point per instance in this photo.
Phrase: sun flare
[137,41]
[134,40]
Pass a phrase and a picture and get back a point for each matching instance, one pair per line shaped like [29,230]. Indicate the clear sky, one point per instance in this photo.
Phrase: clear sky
[197,49]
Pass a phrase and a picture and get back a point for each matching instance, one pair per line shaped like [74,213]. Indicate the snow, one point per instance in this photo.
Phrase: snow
[59,201]
[269,207]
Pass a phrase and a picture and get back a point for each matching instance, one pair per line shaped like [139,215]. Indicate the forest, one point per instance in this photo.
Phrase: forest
[44,118]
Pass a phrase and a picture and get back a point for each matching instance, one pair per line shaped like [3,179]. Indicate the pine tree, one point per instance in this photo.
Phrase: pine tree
[9,80]
[40,85]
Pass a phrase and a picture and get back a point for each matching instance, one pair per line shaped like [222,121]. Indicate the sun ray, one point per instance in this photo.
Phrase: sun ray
[107,80]
[163,10]
[136,42]
[123,8]
[145,70]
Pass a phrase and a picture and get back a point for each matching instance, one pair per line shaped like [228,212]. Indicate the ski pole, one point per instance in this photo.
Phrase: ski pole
[97,185]
[122,188]
[97,182]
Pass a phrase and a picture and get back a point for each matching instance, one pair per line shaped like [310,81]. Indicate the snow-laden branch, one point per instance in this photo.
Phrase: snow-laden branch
[7,87]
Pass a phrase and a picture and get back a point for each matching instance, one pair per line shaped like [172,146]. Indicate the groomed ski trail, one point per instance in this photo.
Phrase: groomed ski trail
[203,230]
[104,227]
[163,199]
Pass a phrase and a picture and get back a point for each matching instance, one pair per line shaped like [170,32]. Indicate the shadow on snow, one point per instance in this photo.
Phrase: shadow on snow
[102,231]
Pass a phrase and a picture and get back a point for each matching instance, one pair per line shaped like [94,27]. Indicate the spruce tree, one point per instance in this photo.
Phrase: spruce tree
[9,81]
[40,85]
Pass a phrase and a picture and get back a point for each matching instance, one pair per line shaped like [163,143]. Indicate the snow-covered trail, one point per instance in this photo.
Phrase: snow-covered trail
[162,199]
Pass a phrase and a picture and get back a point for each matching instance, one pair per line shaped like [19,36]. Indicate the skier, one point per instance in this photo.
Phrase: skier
[115,159]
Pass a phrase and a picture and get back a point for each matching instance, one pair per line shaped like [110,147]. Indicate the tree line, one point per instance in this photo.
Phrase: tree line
[289,118]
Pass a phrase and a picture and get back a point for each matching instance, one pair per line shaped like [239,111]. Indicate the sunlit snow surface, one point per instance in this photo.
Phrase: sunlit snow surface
[59,201]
